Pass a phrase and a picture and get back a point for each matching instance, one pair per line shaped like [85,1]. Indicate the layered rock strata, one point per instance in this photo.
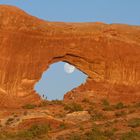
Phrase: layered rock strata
[28,45]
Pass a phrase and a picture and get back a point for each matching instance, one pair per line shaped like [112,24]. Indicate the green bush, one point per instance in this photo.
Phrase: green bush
[53,102]
[34,131]
[6,136]
[131,136]
[106,105]
[29,106]
[135,122]
[97,116]
[105,102]
[73,107]
[119,105]
[43,103]
[108,108]
[57,102]
[96,134]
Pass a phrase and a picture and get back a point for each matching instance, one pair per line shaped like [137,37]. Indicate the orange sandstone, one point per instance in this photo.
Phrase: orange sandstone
[108,53]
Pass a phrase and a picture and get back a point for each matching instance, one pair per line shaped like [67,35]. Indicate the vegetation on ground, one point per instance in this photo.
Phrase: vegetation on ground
[44,103]
[120,113]
[97,134]
[137,105]
[85,100]
[97,116]
[75,137]
[132,135]
[119,105]
[29,106]
[103,128]
[107,107]
[35,132]
[73,107]
[135,122]
[62,126]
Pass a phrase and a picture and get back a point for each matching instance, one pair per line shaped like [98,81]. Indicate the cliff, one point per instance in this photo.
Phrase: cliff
[28,45]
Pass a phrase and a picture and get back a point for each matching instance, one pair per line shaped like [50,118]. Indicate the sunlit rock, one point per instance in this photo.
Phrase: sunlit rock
[28,45]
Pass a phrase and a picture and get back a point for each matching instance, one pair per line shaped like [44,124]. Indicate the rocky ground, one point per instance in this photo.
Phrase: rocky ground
[108,53]
[83,120]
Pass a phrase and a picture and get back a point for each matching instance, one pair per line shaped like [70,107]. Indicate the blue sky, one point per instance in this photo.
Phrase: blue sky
[109,11]
[55,82]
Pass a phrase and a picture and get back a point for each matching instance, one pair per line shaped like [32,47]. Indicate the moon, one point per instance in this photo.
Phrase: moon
[69,68]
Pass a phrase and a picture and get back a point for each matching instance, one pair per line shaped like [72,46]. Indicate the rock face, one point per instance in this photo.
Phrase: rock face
[28,45]
[79,116]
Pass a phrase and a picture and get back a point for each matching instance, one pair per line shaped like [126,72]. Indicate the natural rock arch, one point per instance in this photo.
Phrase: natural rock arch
[28,45]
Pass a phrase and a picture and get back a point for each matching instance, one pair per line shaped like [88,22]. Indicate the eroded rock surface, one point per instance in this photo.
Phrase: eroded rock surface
[28,45]
[79,116]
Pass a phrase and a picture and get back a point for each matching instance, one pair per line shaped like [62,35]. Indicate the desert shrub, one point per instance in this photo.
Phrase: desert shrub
[53,102]
[75,137]
[108,124]
[135,122]
[132,135]
[105,102]
[108,108]
[96,134]
[131,110]
[73,107]
[137,105]
[85,100]
[109,133]
[34,131]
[58,102]
[43,103]
[97,116]
[29,106]
[119,105]
[5,136]
[106,105]
[62,126]
[120,113]
[90,110]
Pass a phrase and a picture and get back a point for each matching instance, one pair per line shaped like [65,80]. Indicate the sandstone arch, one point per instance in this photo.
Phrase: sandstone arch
[28,45]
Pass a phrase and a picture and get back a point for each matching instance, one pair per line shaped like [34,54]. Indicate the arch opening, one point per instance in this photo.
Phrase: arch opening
[60,78]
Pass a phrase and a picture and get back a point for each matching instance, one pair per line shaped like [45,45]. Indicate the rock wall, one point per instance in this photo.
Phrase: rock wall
[28,45]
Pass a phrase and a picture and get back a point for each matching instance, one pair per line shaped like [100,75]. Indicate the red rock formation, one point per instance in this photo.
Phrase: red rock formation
[97,91]
[28,45]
